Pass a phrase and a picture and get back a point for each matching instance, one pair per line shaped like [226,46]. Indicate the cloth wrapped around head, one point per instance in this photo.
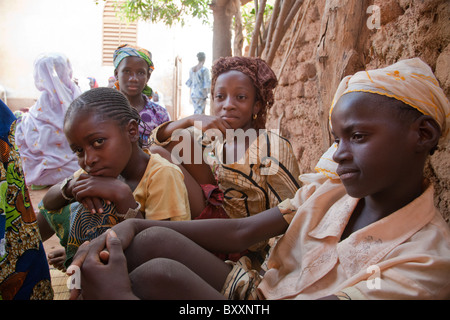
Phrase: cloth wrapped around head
[127,50]
[262,76]
[410,81]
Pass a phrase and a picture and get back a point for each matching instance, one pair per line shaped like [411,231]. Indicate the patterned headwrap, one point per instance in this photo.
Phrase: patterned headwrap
[262,76]
[410,81]
[127,50]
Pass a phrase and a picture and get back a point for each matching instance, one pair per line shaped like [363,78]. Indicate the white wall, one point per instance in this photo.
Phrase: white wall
[74,27]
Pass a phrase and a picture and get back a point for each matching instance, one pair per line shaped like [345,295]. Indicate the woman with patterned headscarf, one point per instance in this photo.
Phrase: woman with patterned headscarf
[46,155]
[133,68]
[246,173]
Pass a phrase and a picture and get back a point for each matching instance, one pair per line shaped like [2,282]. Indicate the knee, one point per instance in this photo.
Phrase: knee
[151,243]
[154,271]
[151,279]
[158,239]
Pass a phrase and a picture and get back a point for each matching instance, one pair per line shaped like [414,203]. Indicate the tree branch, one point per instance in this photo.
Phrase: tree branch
[271,28]
[294,40]
[256,30]
[278,34]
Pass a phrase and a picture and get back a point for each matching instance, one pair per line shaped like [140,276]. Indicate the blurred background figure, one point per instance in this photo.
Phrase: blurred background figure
[111,81]
[93,82]
[199,82]
[46,156]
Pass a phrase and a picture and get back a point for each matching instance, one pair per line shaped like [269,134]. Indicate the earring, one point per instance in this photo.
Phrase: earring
[255,116]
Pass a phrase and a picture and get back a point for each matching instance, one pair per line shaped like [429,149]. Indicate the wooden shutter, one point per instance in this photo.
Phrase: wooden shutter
[115,32]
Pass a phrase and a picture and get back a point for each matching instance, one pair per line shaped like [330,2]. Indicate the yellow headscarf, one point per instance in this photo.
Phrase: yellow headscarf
[410,81]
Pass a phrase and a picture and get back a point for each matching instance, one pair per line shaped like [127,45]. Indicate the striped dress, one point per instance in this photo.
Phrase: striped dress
[267,176]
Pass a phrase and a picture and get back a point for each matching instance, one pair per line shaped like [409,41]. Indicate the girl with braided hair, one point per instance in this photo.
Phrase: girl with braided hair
[118,179]
[239,177]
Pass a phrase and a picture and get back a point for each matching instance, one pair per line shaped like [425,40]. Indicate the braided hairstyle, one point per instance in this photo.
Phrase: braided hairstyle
[108,103]
[262,76]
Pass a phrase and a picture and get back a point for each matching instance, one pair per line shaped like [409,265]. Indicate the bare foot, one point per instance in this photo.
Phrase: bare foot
[56,258]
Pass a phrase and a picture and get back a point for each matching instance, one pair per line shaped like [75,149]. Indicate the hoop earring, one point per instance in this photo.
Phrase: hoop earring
[255,116]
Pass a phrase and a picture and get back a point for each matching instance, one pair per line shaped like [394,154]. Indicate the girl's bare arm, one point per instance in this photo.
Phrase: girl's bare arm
[53,199]
[216,235]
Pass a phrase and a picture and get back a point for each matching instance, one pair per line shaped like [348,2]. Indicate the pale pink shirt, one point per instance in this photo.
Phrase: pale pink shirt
[403,256]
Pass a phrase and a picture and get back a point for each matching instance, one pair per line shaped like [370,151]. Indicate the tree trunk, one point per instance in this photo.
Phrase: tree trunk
[221,28]
[292,13]
[341,50]
[278,34]
[295,33]
[271,28]
[238,29]
[256,31]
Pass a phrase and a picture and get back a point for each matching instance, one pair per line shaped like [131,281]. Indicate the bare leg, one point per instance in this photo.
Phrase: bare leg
[167,279]
[45,229]
[185,256]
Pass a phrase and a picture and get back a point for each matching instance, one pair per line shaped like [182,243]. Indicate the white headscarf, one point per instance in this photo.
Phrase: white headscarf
[46,155]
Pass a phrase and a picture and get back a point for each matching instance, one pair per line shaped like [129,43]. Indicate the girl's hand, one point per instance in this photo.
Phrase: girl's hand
[103,266]
[205,122]
[200,121]
[90,190]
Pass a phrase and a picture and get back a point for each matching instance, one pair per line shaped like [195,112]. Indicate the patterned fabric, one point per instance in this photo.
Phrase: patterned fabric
[86,226]
[152,115]
[127,50]
[46,156]
[59,220]
[199,82]
[410,81]
[214,210]
[267,176]
[24,271]
[199,105]
[242,282]
[214,203]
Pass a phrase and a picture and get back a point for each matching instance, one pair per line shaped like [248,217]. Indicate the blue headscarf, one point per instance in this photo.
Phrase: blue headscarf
[6,119]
